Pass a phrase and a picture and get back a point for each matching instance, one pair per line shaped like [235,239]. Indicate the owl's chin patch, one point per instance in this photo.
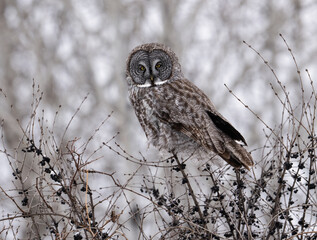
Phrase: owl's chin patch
[160,82]
[144,85]
[149,83]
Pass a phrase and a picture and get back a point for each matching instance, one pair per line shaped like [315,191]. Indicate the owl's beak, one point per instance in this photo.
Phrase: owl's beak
[152,80]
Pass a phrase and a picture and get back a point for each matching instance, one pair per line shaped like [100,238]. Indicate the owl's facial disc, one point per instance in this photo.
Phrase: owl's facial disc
[140,67]
[161,67]
[150,69]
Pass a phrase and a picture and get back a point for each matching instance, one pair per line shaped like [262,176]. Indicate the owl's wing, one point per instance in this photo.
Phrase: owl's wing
[208,131]
[195,126]
[178,124]
[192,113]
[225,126]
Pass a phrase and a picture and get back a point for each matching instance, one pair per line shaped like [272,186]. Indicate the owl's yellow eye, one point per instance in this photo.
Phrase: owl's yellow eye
[158,65]
[141,68]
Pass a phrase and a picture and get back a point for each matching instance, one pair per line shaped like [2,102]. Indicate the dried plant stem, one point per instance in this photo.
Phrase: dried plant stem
[190,189]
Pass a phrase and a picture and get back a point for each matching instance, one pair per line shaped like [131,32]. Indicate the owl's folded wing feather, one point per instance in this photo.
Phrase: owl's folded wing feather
[213,132]
[226,127]
[196,127]
[178,125]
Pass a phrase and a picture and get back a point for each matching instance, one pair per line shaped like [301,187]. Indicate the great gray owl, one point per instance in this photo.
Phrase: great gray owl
[175,114]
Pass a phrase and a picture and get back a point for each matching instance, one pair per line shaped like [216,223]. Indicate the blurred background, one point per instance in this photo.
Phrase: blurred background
[72,49]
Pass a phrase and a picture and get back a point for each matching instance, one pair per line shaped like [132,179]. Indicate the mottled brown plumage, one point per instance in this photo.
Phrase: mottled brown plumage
[175,114]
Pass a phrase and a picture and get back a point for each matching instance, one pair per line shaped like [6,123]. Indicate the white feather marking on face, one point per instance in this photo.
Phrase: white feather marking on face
[160,82]
[145,85]
[156,83]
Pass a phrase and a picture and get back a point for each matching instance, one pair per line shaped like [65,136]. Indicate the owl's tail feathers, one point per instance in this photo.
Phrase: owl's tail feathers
[237,156]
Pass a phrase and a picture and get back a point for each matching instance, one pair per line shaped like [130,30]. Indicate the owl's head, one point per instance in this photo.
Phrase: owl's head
[151,65]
